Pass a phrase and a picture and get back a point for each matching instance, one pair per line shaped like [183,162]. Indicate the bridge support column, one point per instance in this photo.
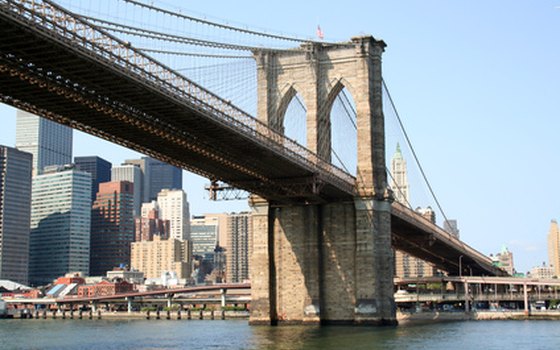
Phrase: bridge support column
[284,264]
[223,293]
[129,304]
[467,297]
[374,263]
[525,300]
[328,264]
[263,286]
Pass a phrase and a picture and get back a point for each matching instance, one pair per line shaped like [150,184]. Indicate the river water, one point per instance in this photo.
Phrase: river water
[200,334]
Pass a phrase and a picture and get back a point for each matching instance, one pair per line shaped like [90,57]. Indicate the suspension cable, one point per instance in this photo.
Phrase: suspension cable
[349,117]
[214,24]
[346,109]
[194,54]
[340,160]
[398,187]
[152,34]
[356,128]
[413,151]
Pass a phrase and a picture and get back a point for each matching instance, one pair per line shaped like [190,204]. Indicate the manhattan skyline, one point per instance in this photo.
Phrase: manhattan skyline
[476,87]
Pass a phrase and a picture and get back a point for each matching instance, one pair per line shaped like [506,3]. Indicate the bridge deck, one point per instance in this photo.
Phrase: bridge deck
[98,84]
[417,236]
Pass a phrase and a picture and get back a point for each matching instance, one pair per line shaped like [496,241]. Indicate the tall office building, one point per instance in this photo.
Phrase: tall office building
[554,247]
[204,235]
[99,168]
[112,227]
[173,206]
[207,256]
[399,179]
[238,247]
[131,173]
[504,260]
[405,264]
[158,256]
[15,213]
[60,223]
[49,142]
[157,175]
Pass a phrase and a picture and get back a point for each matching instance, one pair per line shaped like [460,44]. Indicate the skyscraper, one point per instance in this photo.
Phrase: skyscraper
[554,247]
[399,180]
[112,227]
[238,247]
[131,173]
[204,235]
[174,207]
[99,168]
[49,142]
[406,265]
[60,223]
[204,238]
[15,213]
[157,175]
[504,260]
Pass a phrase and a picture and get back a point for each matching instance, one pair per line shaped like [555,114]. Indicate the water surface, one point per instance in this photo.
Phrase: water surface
[233,334]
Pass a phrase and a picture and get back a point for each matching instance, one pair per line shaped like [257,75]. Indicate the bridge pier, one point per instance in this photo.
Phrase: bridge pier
[322,264]
[328,261]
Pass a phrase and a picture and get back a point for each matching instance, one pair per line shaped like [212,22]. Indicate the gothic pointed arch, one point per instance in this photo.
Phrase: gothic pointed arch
[341,116]
[285,99]
[291,115]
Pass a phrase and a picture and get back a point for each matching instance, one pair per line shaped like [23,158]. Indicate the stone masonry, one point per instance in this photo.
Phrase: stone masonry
[330,262]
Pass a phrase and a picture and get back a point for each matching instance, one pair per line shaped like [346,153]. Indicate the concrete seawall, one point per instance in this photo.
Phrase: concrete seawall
[427,317]
[152,315]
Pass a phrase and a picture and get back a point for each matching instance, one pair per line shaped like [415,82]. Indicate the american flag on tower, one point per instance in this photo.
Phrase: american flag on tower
[320,34]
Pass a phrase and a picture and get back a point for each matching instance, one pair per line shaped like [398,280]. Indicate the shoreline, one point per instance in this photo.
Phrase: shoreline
[135,315]
[403,318]
[428,317]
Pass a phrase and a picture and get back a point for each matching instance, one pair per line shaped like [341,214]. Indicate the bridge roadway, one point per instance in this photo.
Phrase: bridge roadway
[59,66]
[476,289]
[414,234]
[222,288]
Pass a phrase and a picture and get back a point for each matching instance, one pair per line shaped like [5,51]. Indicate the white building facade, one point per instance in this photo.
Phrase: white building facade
[173,206]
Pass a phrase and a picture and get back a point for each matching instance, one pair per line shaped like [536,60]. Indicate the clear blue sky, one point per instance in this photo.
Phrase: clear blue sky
[476,84]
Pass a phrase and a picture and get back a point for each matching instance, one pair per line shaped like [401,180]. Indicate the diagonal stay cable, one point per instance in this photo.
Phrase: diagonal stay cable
[413,151]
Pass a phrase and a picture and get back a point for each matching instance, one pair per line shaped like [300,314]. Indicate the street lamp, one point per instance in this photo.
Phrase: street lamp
[460,266]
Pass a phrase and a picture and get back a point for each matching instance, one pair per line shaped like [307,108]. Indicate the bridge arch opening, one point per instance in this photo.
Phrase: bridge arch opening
[292,121]
[342,117]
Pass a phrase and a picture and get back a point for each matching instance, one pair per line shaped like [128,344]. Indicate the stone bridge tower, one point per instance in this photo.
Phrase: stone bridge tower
[325,262]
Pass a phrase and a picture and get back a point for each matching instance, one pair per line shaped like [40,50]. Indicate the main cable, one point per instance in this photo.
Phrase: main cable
[218,25]
[152,34]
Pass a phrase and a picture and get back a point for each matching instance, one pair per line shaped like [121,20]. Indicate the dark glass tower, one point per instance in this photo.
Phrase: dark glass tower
[99,168]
